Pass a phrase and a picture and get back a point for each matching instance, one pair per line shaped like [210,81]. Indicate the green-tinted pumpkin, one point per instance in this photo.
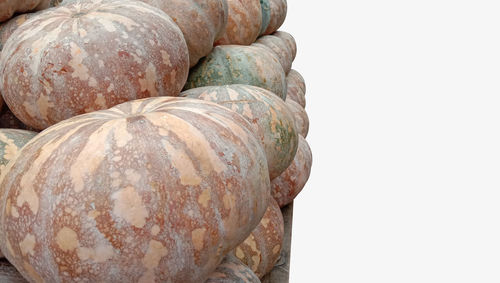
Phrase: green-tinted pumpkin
[278,15]
[300,115]
[266,15]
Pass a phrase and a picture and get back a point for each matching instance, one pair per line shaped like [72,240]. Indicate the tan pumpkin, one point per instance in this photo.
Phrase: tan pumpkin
[201,22]
[278,15]
[243,24]
[153,190]
[262,249]
[8,27]
[280,48]
[272,121]
[291,182]
[301,117]
[232,270]
[90,55]
[288,38]
[296,88]
[9,7]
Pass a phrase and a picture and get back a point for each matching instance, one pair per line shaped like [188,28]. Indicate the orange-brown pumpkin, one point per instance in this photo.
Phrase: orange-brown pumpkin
[9,7]
[278,15]
[262,249]
[243,24]
[300,115]
[291,182]
[280,48]
[232,270]
[90,55]
[272,121]
[153,190]
[296,88]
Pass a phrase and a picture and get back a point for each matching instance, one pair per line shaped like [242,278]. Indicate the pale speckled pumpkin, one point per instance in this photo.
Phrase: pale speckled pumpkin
[278,15]
[280,48]
[288,38]
[201,22]
[232,270]
[266,15]
[262,249]
[290,183]
[243,23]
[296,88]
[90,55]
[236,64]
[272,121]
[153,190]
[300,115]
[9,7]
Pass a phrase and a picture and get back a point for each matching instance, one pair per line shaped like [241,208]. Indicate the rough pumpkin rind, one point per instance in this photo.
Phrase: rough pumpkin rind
[272,121]
[90,55]
[236,64]
[278,15]
[201,22]
[290,183]
[153,190]
[280,48]
[296,88]
[262,249]
[243,23]
[288,38]
[300,115]
[232,270]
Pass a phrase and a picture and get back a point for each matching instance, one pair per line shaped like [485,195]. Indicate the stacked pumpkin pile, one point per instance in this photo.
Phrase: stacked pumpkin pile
[132,179]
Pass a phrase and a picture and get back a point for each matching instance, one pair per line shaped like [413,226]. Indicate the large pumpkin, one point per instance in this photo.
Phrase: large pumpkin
[272,121]
[243,24]
[7,28]
[278,15]
[235,64]
[262,249]
[296,88]
[291,182]
[280,48]
[232,270]
[153,190]
[201,22]
[90,55]
[301,117]
[266,15]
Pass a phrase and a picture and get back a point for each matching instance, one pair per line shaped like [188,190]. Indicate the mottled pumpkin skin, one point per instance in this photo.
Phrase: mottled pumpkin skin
[288,38]
[262,249]
[9,7]
[296,88]
[243,23]
[300,115]
[153,190]
[232,270]
[278,15]
[280,48]
[272,121]
[201,22]
[266,15]
[236,64]
[291,182]
[90,55]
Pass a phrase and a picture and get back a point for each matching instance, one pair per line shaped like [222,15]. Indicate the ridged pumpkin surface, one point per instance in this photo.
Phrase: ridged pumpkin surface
[266,15]
[235,64]
[288,38]
[296,88]
[90,55]
[9,7]
[280,48]
[201,22]
[272,121]
[278,15]
[243,23]
[291,182]
[153,190]
[232,270]
[262,249]
[300,115]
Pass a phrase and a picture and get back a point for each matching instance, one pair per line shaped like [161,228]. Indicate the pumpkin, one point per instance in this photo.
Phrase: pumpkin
[235,64]
[272,121]
[243,23]
[300,115]
[266,15]
[296,88]
[8,120]
[90,55]
[153,190]
[280,48]
[288,38]
[278,15]
[290,183]
[232,270]
[201,22]
[9,7]
[262,249]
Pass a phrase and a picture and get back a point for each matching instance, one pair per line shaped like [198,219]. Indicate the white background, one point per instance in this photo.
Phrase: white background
[403,98]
